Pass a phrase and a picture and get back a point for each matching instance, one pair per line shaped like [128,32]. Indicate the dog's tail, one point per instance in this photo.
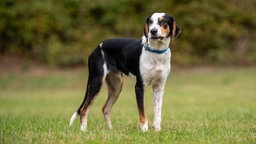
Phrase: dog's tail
[77,113]
[73,118]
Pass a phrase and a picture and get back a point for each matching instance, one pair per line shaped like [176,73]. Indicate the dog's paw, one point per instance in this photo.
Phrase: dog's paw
[144,126]
[110,126]
[83,127]
[156,127]
[157,124]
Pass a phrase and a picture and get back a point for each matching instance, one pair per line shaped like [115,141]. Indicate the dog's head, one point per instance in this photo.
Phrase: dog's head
[159,26]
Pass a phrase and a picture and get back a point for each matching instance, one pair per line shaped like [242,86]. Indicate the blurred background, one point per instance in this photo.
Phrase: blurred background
[64,32]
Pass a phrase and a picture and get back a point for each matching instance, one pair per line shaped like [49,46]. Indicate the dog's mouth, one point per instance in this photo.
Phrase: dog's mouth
[157,38]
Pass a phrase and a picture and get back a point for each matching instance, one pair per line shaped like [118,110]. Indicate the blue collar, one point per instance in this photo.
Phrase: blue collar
[155,51]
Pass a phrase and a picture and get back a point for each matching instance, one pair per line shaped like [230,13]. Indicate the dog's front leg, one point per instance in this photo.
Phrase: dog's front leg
[139,90]
[158,92]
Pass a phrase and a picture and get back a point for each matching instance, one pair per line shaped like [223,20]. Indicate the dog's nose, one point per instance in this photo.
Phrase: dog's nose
[153,31]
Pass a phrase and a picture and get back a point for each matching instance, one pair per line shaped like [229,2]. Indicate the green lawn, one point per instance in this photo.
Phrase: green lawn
[200,106]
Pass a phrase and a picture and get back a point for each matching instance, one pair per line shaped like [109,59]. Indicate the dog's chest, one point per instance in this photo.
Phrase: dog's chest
[154,68]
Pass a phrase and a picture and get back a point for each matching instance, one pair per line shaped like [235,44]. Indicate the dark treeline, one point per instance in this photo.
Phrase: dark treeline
[64,32]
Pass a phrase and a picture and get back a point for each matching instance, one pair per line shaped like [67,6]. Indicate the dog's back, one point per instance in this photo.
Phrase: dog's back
[122,54]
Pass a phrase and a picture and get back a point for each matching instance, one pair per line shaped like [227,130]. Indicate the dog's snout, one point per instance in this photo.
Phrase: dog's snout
[153,31]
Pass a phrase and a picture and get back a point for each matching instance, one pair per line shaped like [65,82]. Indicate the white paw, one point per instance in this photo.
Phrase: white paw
[110,126]
[83,127]
[144,126]
[108,121]
[157,127]
[157,124]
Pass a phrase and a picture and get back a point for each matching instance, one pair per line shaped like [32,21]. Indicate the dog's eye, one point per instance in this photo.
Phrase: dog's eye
[162,22]
[150,22]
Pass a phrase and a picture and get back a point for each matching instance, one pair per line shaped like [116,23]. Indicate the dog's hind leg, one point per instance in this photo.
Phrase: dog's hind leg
[93,88]
[115,82]
[97,74]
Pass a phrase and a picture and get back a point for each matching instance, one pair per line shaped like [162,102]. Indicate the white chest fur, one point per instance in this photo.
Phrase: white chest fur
[154,67]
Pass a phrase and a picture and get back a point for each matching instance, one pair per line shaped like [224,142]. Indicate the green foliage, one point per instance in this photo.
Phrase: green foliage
[64,32]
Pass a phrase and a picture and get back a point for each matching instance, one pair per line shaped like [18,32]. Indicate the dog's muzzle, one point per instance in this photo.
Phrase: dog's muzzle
[154,36]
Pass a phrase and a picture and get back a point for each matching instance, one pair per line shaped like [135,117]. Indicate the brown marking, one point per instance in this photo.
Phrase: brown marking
[115,84]
[165,31]
[173,30]
[88,102]
[142,114]
[172,44]
[83,116]
[164,27]
[84,110]
[146,29]
[142,117]
[87,96]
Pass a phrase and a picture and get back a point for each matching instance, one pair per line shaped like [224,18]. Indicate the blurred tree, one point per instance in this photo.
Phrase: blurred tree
[64,32]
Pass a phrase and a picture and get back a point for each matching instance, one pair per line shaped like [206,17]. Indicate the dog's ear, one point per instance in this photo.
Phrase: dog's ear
[146,27]
[175,29]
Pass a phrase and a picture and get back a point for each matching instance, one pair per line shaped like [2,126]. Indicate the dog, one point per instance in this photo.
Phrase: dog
[147,59]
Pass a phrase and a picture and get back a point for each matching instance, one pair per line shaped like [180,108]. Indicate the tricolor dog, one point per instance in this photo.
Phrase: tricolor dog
[147,59]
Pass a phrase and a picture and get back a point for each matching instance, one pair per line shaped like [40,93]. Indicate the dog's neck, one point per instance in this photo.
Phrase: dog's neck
[157,44]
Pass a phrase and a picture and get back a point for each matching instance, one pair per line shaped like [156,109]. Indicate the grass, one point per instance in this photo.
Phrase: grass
[200,106]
